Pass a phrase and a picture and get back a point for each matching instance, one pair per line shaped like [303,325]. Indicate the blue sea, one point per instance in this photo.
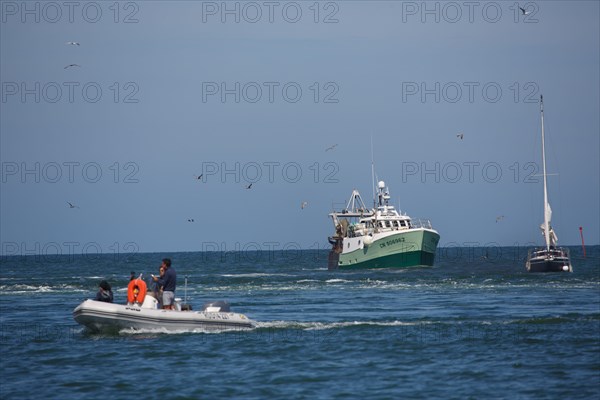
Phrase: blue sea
[469,327]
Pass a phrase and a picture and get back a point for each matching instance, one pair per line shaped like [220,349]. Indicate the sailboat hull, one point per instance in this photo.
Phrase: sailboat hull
[554,260]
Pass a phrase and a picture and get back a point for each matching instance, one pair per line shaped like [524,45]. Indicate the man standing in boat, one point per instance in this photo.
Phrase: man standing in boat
[168,282]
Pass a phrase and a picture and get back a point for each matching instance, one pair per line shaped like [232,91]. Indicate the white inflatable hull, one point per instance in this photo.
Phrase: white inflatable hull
[99,316]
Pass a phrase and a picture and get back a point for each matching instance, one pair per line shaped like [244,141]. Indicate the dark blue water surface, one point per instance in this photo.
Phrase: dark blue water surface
[469,327]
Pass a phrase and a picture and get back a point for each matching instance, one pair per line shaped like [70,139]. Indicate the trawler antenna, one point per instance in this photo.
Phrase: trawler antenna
[372,171]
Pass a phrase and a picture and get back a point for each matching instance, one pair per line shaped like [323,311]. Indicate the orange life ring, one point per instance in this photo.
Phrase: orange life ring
[136,291]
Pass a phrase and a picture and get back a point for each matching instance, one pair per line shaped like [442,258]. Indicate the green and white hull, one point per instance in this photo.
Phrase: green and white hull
[398,249]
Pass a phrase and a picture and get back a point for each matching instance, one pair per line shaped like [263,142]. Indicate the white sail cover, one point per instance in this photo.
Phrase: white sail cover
[546,229]
[548,214]
[551,238]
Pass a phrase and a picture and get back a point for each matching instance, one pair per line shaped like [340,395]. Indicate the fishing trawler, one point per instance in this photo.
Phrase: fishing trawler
[550,258]
[380,237]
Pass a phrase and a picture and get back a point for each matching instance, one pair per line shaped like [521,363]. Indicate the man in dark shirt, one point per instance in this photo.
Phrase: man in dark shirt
[105,293]
[168,283]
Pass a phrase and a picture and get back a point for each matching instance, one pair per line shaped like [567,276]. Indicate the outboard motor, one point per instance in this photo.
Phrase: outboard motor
[150,302]
[216,306]
[177,304]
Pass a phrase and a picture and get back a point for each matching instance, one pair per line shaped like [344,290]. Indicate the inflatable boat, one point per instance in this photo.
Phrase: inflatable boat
[142,312]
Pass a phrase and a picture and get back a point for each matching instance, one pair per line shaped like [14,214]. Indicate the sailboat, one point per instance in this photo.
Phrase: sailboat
[550,258]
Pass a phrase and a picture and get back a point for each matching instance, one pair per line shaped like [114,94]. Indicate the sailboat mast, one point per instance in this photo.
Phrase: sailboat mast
[546,205]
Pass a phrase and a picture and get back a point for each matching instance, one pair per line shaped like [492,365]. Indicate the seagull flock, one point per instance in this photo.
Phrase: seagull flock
[304,204]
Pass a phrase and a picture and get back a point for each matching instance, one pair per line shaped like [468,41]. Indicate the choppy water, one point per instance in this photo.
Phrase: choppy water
[467,328]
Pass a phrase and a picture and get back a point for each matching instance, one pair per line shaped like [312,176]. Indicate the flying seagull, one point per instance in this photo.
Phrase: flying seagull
[198,177]
[460,136]
[524,12]
[331,147]
[249,186]
[304,204]
[73,43]
[499,218]
[191,220]
[71,205]
[72,65]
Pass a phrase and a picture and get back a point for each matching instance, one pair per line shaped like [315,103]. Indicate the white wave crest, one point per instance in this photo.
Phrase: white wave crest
[337,280]
[164,331]
[28,289]
[308,326]
[252,275]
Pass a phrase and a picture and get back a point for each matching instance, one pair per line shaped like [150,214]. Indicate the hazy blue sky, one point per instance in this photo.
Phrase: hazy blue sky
[166,90]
